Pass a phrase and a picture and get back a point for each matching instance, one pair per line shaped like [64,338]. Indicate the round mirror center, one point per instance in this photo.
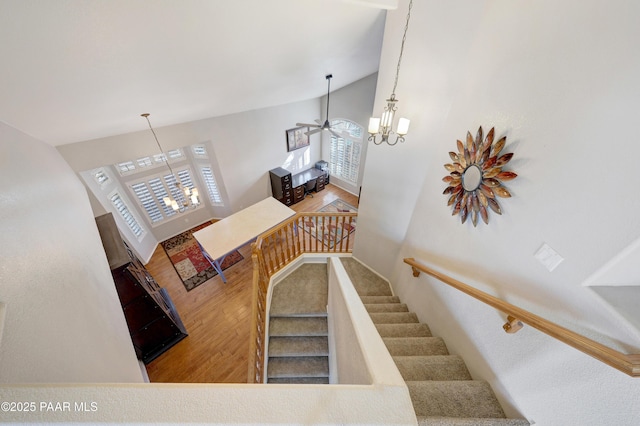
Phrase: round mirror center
[471,178]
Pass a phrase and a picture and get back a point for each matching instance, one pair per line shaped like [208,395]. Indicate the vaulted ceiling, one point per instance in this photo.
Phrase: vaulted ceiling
[74,70]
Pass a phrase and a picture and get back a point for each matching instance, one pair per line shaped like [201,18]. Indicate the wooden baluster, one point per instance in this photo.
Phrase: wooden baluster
[270,255]
[342,232]
[300,231]
[294,240]
[280,252]
[333,221]
[322,235]
[308,245]
[287,232]
[346,249]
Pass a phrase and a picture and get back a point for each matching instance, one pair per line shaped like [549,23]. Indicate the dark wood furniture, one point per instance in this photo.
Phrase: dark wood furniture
[281,185]
[320,183]
[154,323]
[290,189]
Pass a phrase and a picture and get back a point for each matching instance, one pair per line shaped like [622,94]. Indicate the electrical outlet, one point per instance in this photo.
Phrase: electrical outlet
[548,257]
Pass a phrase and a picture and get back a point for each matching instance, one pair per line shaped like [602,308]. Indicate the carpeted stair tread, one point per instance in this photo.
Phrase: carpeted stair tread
[365,281]
[455,398]
[404,330]
[386,307]
[300,315]
[300,380]
[453,421]
[298,346]
[433,367]
[298,326]
[394,317]
[368,300]
[307,286]
[414,346]
[309,366]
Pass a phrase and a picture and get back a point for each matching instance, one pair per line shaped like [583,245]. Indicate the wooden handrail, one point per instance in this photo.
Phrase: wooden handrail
[318,232]
[628,364]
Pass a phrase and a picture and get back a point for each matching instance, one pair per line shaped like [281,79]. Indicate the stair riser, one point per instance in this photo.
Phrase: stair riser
[394,318]
[440,367]
[405,346]
[403,330]
[386,307]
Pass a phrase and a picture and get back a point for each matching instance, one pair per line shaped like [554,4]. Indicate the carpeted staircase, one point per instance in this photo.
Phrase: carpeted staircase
[441,388]
[298,346]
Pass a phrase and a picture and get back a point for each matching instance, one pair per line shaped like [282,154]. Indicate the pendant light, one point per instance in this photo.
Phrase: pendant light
[383,127]
[187,198]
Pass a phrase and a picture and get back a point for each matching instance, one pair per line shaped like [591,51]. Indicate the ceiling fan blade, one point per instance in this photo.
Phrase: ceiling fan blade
[317,120]
[336,134]
[306,125]
[313,132]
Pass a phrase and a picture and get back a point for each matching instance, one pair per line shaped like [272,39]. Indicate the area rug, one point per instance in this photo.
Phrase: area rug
[189,262]
[329,233]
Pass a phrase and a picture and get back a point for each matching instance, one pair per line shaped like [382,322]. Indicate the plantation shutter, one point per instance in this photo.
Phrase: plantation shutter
[159,191]
[147,202]
[125,213]
[345,152]
[212,187]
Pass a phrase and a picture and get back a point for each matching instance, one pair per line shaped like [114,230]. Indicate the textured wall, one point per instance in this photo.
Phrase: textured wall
[63,319]
[560,81]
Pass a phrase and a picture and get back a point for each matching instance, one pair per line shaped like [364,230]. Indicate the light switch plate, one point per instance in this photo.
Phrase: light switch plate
[549,258]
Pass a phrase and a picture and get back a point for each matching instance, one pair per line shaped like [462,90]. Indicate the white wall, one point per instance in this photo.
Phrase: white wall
[63,321]
[559,79]
[245,146]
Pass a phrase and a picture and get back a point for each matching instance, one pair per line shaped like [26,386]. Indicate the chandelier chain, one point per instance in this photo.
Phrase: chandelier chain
[404,37]
[164,156]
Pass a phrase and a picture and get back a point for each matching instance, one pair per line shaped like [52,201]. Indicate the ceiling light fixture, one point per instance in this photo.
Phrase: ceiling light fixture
[183,197]
[384,127]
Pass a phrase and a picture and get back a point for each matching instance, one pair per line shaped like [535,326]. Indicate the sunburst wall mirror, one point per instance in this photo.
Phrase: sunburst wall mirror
[476,176]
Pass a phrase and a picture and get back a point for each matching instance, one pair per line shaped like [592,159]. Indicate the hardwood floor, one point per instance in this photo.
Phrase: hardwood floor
[216,315]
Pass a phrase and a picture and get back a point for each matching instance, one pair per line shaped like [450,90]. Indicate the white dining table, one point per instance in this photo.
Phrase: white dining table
[227,235]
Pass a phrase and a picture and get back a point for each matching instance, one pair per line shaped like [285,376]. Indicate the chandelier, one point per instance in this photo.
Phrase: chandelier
[183,197]
[384,127]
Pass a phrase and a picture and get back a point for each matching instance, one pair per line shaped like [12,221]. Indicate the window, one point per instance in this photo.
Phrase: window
[199,151]
[150,192]
[144,162]
[149,162]
[146,199]
[101,177]
[125,213]
[206,172]
[126,167]
[212,188]
[345,152]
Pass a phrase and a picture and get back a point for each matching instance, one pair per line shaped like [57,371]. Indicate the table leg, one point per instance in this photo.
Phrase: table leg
[216,263]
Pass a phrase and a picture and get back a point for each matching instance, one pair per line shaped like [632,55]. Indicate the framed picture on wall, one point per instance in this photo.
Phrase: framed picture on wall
[296,138]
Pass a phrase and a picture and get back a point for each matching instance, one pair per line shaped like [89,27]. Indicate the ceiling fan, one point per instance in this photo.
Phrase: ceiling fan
[320,126]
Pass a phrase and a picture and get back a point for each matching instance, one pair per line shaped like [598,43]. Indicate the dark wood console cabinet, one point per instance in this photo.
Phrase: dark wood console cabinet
[154,323]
